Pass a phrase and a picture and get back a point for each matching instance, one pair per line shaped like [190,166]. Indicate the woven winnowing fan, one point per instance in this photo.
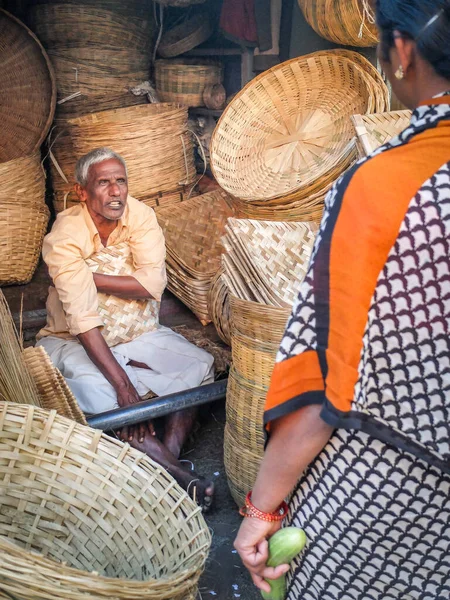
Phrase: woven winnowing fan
[266,261]
[373,131]
[124,320]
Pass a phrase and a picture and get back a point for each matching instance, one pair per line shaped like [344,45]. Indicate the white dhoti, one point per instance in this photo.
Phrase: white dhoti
[174,364]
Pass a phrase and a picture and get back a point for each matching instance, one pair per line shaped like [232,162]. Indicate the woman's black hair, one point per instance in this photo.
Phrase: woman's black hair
[425,21]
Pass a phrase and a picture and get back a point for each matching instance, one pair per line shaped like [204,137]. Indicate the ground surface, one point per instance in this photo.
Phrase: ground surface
[224,577]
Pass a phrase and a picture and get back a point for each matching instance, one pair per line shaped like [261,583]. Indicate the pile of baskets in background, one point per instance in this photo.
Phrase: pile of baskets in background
[27,106]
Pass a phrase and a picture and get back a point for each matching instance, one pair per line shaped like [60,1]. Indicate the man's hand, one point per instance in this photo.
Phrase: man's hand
[127,395]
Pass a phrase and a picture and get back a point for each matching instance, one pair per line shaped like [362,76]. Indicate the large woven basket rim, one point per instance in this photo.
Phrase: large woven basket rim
[159,109]
[141,459]
[48,122]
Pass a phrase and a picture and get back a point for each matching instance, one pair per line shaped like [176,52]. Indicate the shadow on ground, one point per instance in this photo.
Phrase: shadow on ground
[224,578]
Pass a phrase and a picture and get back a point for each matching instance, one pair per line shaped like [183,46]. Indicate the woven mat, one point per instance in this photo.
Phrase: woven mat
[123,319]
[266,261]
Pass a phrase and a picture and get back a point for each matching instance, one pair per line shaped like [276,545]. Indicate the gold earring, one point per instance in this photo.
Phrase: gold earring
[400,73]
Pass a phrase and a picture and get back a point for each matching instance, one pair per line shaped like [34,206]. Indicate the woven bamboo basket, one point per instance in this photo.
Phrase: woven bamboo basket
[179,3]
[241,467]
[219,307]
[23,218]
[192,235]
[257,330]
[85,516]
[54,393]
[184,80]
[136,8]
[350,23]
[124,320]
[28,90]
[375,130]
[76,25]
[266,261]
[152,138]
[185,36]
[288,132]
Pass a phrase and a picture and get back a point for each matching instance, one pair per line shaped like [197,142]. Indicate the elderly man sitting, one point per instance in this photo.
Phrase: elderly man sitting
[103,378]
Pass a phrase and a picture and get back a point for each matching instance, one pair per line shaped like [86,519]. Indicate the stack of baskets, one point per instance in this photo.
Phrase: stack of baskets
[83,515]
[372,131]
[192,234]
[219,307]
[99,51]
[287,136]
[350,23]
[257,330]
[27,105]
[264,264]
[152,138]
[186,35]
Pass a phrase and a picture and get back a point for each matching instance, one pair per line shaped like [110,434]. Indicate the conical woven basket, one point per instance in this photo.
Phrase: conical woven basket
[85,516]
[23,218]
[348,22]
[27,91]
[241,466]
[219,307]
[375,130]
[54,393]
[192,235]
[124,320]
[289,131]
[153,140]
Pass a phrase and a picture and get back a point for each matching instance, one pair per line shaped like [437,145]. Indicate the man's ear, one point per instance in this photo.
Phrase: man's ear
[405,49]
[80,192]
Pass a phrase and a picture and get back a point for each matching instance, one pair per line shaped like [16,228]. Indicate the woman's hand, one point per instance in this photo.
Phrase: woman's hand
[253,548]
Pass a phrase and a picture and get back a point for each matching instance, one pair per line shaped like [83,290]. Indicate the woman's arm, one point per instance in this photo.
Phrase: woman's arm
[295,441]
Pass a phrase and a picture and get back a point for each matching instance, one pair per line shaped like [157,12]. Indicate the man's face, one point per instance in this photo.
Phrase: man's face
[106,190]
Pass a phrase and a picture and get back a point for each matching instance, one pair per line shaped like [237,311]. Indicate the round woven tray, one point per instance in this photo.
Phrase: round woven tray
[350,23]
[85,516]
[152,138]
[375,130]
[23,218]
[288,131]
[27,91]
[185,36]
[184,80]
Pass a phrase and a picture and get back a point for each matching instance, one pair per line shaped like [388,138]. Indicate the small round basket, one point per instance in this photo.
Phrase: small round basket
[289,130]
[27,91]
[184,80]
[85,516]
[185,36]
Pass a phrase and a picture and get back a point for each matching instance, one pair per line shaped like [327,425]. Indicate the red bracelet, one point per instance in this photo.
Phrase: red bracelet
[249,510]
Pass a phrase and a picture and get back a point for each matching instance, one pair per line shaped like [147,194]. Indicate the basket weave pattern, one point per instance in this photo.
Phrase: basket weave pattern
[184,81]
[257,330]
[349,23]
[83,515]
[219,307]
[124,320]
[54,393]
[185,36]
[192,235]
[375,130]
[28,90]
[23,218]
[153,140]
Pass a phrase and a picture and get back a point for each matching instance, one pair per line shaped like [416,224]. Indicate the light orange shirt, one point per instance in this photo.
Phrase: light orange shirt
[72,302]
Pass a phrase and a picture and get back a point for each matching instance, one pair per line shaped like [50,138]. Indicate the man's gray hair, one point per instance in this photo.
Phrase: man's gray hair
[94,157]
